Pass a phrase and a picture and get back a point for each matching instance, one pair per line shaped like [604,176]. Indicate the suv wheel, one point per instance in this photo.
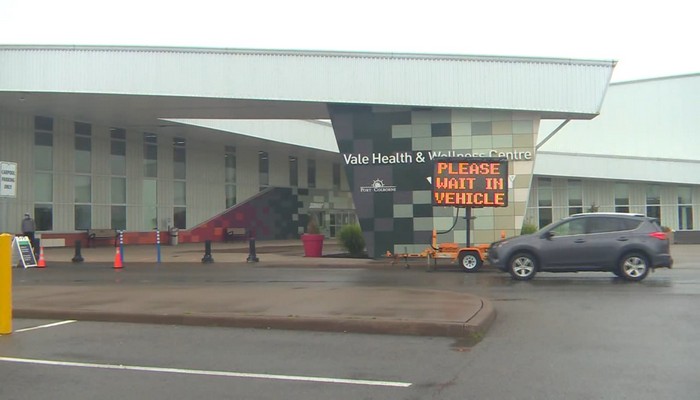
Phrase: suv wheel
[470,261]
[634,267]
[522,267]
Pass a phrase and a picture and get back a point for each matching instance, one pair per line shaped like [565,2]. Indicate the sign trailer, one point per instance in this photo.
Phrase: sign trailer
[466,183]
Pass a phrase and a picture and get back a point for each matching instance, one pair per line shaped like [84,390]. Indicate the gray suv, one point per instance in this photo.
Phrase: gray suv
[628,245]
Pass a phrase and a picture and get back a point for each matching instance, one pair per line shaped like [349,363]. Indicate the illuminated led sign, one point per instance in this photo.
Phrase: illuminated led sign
[470,182]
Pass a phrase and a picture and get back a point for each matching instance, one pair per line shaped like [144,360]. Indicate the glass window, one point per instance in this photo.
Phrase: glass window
[230,195]
[150,155]
[83,193]
[230,164]
[336,176]
[119,218]
[544,192]
[179,159]
[118,194]
[179,186]
[568,228]
[118,157]
[602,225]
[42,138]
[83,129]
[83,155]
[264,168]
[43,151]
[118,183]
[150,138]
[180,217]
[83,216]
[43,217]
[293,171]
[622,198]
[150,210]
[629,224]
[117,133]
[43,123]
[545,216]
[654,201]
[575,191]
[43,187]
[150,217]
[230,171]
[685,208]
[544,201]
[654,194]
[311,173]
[180,193]
[150,169]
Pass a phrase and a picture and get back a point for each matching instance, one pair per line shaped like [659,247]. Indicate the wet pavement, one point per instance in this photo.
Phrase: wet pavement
[282,290]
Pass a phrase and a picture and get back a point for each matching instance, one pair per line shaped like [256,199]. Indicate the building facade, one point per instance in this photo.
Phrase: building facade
[100,144]
[75,175]
[640,155]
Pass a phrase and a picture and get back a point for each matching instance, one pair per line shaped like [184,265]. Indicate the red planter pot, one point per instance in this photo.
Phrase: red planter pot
[313,244]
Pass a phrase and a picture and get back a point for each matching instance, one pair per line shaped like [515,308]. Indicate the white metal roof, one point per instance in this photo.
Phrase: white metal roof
[608,167]
[298,84]
[655,118]
[647,130]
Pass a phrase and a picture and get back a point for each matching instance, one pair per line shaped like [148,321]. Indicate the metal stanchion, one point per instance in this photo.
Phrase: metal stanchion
[207,252]
[77,257]
[252,257]
[158,245]
[121,246]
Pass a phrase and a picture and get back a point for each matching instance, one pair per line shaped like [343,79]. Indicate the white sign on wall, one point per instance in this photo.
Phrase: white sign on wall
[8,179]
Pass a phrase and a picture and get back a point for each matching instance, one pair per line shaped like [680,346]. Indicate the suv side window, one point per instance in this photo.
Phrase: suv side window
[572,227]
[607,224]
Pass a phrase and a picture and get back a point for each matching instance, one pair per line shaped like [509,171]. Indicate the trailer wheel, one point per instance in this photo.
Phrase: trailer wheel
[470,261]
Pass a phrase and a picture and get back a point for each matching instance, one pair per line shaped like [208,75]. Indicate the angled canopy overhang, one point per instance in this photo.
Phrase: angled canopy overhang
[144,85]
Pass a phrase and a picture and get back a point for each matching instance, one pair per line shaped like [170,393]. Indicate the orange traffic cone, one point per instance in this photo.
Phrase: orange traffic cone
[117,260]
[42,262]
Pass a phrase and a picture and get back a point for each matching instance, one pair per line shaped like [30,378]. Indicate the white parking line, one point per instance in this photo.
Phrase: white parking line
[207,373]
[70,321]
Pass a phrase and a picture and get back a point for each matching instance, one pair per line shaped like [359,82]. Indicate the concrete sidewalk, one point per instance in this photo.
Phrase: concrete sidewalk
[228,292]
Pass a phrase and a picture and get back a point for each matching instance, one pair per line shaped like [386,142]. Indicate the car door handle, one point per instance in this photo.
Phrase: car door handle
[622,239]
[579,241]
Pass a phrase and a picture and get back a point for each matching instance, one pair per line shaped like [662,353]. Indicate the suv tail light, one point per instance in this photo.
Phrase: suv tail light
[659,235]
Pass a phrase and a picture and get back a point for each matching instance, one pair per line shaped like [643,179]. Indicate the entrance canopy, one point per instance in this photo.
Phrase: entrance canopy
[142,86]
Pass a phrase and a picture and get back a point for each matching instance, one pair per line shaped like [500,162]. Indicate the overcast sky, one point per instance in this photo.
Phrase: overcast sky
[648,39]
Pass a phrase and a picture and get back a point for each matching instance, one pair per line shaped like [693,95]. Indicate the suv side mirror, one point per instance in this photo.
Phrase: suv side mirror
[548,235]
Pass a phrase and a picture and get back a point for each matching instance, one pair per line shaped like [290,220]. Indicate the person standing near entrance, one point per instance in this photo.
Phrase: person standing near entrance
[28,228]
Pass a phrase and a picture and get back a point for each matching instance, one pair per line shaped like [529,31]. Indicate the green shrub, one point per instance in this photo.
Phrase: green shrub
[351,238]
[528,229]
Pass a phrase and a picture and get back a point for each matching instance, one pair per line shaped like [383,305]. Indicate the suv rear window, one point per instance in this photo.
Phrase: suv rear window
[631,224]
[656,224]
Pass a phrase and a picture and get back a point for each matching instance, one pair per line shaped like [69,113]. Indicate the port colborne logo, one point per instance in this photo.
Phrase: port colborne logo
[376,187]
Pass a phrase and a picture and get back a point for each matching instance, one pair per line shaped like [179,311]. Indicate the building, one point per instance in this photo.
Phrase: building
[137,139]
[640,155]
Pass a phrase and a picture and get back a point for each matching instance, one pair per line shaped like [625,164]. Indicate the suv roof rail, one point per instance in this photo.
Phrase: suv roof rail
[609,213]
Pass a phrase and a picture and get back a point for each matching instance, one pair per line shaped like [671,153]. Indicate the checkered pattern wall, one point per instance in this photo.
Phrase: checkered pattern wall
[387,155]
